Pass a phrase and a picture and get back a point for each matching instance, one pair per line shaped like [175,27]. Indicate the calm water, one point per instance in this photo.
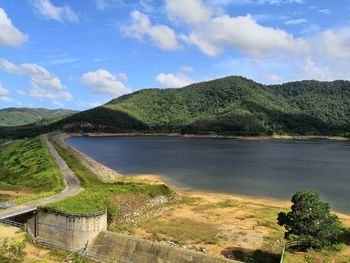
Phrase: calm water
[274,168]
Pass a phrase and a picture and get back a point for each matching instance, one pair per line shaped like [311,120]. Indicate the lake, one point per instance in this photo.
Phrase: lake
[267,168]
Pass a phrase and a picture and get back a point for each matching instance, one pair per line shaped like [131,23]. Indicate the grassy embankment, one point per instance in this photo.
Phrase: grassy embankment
[28,171]
[97,195]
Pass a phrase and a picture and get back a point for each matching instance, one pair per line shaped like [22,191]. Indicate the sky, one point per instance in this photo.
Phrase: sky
[80,54]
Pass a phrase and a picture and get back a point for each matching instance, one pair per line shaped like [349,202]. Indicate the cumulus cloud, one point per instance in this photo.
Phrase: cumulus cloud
[242,33]
[175,80]
[4,94]
[9,34]
[213,31]
[58,13]
[43,83]
[161,35]
[102,81]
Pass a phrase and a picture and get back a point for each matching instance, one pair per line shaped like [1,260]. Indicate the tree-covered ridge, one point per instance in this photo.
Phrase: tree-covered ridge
[239,106]
[229,106]
[24,116]
[327,101]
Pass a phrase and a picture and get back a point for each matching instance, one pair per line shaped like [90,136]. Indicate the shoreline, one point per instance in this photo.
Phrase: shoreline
[216,136]
[159,179]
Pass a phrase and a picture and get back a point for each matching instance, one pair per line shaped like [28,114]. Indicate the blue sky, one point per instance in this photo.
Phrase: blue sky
[79,54]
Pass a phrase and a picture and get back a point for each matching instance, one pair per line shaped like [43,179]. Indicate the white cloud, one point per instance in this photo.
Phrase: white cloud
[161,35]
[242,33]
[177,80]
[58,13]
[191,11]
[9,34]
[43,83]
[122,77]
[335,43]
[3,91]
[295,21]
[186,69]
[325,11]
[102,81]
[4,94]
[273,77]
[315,72]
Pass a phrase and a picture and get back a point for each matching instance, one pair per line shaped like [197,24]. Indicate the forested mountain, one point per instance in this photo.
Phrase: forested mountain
[229,106]
[23,116]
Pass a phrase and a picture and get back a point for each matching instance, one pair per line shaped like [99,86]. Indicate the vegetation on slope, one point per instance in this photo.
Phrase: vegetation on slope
[98,195]
[27,165]
[24,116]
[232,105]
[228,106]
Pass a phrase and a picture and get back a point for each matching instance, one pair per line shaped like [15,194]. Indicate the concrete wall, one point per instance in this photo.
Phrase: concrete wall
[132,249]
[67,230]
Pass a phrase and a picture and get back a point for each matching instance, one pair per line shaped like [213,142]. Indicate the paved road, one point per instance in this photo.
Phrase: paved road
[71,182]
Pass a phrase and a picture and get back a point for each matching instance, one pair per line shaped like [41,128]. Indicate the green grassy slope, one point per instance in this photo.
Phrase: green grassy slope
[27,165]
[232,105]
[23,116]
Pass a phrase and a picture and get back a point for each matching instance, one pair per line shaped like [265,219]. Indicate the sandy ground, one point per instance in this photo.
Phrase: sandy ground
[15,193]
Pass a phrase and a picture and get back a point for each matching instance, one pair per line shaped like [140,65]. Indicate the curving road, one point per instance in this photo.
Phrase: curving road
[71,182]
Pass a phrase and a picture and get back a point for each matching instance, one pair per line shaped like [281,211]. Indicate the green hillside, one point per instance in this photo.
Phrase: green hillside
[23,116]
[232,105]
[228,106]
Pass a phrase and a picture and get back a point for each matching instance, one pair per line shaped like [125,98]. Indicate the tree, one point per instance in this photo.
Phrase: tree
[311,221]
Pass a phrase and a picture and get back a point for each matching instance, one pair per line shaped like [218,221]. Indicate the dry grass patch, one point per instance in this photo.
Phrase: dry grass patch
[183,230]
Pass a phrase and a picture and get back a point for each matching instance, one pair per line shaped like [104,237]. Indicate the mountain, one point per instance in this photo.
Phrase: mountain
[231,105]
[228,106]
[23,116]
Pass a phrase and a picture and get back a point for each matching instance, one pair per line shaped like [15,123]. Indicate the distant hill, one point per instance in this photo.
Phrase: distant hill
[231,105]
[24,116]
[228,106]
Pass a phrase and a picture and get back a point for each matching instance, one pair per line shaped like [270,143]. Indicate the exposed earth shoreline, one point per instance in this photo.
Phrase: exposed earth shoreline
[216,136]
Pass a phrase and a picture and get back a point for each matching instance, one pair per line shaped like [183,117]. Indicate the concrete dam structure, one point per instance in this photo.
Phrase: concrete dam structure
[73,231]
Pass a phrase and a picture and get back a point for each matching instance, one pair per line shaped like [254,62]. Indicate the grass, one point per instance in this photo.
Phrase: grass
[182,230]
[27,165]
[98,195]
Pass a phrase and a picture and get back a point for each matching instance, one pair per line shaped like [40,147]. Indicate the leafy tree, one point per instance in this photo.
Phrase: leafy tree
[311,221]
